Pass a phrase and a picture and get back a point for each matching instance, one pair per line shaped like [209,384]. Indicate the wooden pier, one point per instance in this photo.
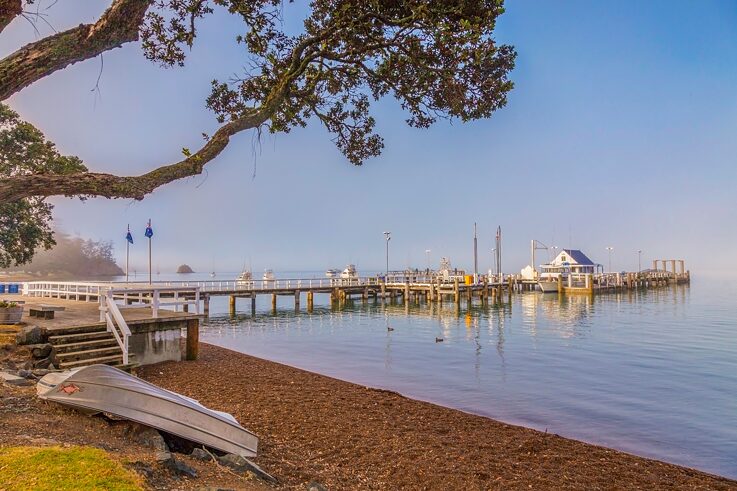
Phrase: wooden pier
[153,311]
[407,287]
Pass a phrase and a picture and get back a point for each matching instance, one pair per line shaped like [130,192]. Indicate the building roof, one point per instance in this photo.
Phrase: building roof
[579,257]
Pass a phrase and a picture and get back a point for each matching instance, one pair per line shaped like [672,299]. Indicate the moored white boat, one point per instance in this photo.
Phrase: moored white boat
[548,285]
[245,279]
[331,273]
[349,272]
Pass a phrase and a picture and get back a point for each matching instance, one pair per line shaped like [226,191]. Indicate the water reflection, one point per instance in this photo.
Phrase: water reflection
[596,368]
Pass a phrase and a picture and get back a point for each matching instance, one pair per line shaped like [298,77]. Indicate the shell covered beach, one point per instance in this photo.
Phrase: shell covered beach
[314,428]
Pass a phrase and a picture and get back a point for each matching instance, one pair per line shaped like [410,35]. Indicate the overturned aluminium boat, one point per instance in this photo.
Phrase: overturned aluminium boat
[102,388]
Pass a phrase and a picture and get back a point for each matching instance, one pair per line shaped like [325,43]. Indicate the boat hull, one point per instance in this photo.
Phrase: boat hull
[102,388]
[549,286]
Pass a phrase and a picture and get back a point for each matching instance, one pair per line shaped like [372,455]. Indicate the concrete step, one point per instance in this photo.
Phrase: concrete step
[86,354]
[79,329]
[106,342]
[58,339]
[114,360]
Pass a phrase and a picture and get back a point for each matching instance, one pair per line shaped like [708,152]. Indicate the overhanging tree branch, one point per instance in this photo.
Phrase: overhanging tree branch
[136,187]
[9,10]
[118,25]
[438,60]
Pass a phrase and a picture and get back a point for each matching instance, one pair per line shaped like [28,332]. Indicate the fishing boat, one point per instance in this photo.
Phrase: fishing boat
[105,389]
[268,277]
[548,280]
[331,273]
[245,279]
[349,272]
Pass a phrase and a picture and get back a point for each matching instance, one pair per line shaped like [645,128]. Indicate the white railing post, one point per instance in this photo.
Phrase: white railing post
[155,304]
[102,307]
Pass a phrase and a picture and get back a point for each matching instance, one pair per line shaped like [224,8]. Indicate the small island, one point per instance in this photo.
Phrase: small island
[184,269]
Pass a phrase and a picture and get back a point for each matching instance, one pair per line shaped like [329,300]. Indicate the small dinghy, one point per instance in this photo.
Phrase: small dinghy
[102,388]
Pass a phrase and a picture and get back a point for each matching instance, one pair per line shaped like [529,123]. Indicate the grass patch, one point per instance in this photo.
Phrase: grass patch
[57,468]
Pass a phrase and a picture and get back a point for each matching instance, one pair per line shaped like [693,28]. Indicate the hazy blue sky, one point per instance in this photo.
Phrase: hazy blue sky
[620,131]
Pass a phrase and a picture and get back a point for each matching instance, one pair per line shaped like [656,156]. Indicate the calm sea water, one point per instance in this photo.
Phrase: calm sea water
[653,373]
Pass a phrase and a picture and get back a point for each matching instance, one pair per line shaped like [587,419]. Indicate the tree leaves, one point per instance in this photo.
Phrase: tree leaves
[25,224]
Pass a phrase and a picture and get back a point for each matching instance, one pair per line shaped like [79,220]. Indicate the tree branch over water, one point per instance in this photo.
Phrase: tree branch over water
[439,60]
[117,26]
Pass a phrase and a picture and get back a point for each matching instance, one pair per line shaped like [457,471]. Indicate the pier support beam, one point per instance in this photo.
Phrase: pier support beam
[296,299]
[310,301]
[273,302]
[231,305]
[193,339]
[253,304]
[206,306]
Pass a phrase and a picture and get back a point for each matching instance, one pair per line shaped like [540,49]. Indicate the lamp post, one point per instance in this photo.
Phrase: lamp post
[427,259]
[388,237]
[639,261]
[610,249]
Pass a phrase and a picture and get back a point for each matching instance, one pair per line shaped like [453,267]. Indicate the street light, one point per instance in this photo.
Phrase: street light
[639,261]
[610,249]
[427,258]
[388,237]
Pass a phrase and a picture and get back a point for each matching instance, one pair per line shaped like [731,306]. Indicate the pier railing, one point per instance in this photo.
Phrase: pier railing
[155,297]
[70,290]
[213,286]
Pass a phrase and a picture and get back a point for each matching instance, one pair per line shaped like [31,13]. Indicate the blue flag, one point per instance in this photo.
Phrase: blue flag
[149,231]
[128,236]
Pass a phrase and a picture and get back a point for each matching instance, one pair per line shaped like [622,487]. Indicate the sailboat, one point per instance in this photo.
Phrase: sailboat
[245,279]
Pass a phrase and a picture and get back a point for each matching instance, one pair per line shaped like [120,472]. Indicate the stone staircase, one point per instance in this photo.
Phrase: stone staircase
[88,345]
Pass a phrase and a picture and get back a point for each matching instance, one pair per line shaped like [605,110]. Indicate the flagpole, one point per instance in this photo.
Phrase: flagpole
[127,256]
[149,254]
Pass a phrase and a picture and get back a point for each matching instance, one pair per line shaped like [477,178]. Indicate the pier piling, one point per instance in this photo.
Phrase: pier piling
[193,339]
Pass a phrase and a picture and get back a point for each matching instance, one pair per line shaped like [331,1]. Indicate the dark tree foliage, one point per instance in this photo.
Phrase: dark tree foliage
[25,223]
[439,60]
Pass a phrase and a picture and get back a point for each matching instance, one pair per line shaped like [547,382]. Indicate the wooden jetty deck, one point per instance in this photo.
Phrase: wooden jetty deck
[405,286]
[151,314]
